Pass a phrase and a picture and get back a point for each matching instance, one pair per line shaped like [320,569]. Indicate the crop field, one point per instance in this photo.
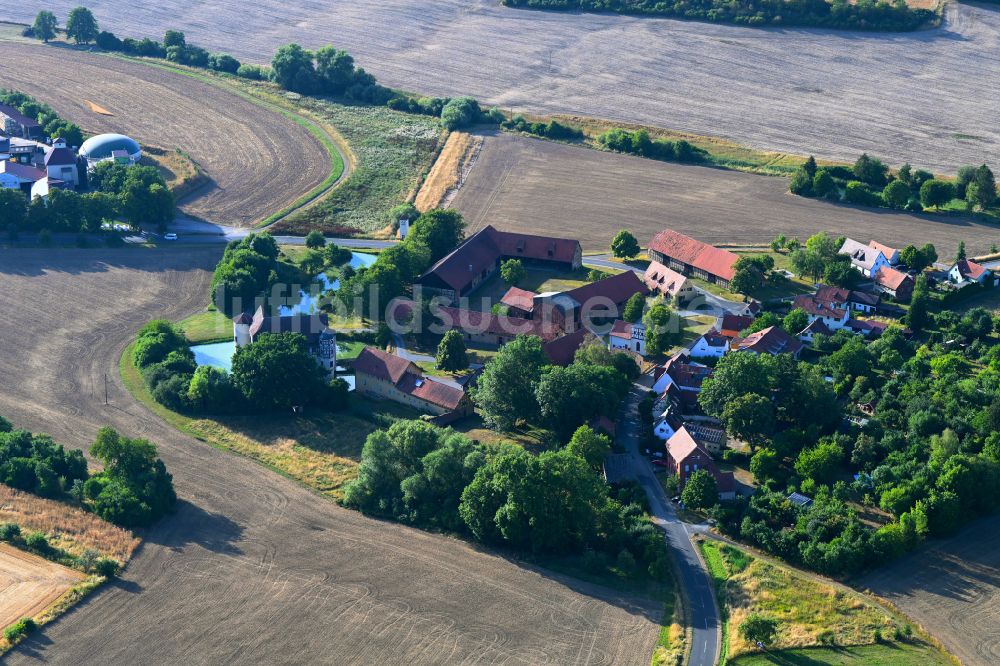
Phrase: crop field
[914,97]
[29,584]
[952,589]
[277,572]
[536,186]
[257,159]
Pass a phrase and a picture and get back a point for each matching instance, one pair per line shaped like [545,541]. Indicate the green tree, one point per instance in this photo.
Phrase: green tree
[701,491]
[439,230]
[505,392]
[871,171]
[750,417]
[44,27]
[134,489]
[174,38]
[935,193]
[512,271]
[460,112]
[661,328]
[335,69]
[293,69]
[778,243]
[277,371]
[821,462]
[960,252]
[801,183]
[757,628]
[809,166]
[315,240]
[634,307]
[823,185]
[568,397]
[982,191]
[451,352]
[795,321]
[764,465]
[749,272]
[211,390]
[13,208]
[737,375]
[624,245]
[896,194]
[81,25]
[589,445]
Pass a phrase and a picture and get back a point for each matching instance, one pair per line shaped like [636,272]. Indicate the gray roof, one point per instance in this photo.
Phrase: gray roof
[861,254]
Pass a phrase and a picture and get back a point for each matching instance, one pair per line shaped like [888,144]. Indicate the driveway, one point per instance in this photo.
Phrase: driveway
[694,580]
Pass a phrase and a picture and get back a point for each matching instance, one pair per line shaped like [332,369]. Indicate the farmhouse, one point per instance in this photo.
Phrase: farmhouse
[771,340]
[966,272]
[320,338]
[604,299]
[390,377]
[15,123]
[692,257]
[60,163]
[712,344]
[894,283]
[829,307]
[473,262]
[866,258]
[519,302]
[681,377]
[626,336]
[668,283]
[685,457]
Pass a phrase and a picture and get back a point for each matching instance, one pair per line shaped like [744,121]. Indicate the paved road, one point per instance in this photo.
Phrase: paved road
[695,583]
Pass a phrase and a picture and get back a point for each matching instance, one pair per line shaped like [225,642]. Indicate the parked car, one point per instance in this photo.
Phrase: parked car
[170,236]
[675,499]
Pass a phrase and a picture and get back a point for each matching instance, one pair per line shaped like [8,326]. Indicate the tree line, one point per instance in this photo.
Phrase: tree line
[870,182]
[133,490]
[52,125]
[863,15]
[639,143]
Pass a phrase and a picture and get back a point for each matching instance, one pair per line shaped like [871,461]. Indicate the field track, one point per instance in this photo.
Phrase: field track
[923,97]
[253,568]
[259,160]
[952,588]
[29,584]
[536,186]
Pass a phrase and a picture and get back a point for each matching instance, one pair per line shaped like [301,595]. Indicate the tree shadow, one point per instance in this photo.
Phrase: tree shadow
[190,525]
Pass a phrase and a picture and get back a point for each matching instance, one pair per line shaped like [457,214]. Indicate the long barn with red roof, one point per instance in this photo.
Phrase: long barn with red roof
[693,257]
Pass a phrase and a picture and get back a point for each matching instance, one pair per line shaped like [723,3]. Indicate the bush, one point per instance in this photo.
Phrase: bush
[460,112]
[253,72]
[10,532]
[107,567]
[37,542]
[19,630]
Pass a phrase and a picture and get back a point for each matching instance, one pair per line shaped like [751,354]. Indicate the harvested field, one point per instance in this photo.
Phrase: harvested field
[914,97]
[952,588]
[450,169]
[68,527]
[29,584]
[257,159]
[278,574]
[536,186]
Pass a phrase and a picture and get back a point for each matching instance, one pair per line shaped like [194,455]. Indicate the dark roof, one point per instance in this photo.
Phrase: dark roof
[381,365]
[771,340]
[18,117]
[621,329]
[481,250]
[22,171]
[694,253]
[243,318]
[732,324]
[617,288]
[816,327]
[311,326]
[477,322]
[865,297]
[714,338]
[562,351]
[59,157]
[686,375]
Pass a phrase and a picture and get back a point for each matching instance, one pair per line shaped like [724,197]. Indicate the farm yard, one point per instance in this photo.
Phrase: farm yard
[952,589]
[257,159]
[536,186]
[241,551]
[908,97]
[29,584]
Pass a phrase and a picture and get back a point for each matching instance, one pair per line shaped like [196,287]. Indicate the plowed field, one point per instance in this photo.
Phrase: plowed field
[28,584]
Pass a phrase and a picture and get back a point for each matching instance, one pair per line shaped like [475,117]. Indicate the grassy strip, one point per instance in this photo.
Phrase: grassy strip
[719,574]
[895,654]
[337,165]
[207,327]
[66,601]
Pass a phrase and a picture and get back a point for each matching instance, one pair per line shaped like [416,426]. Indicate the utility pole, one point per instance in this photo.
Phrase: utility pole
[105,388]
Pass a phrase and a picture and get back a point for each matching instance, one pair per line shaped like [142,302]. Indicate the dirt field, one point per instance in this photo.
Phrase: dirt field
[258,160]
[28,584]
[449,171]
[914,97]
[952,589]
[536,186]
[270,572]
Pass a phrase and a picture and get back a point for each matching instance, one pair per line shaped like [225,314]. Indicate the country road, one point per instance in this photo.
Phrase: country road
[703,613]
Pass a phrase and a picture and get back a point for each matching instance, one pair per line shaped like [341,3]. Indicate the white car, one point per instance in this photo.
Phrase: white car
[170,236]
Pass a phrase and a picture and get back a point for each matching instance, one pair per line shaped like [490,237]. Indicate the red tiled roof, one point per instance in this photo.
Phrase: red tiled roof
[886,251]
[702,256]
[562,351]
[617,288]
[771,340]
[22,171]
[818,307]
[381,365]
[687,375]
[733,324]
[663,280]
[833,294]
[474,321]
[621,329]
[429,390]
[535,247]
[521,299]
[970,270]
[890,278]
[681,445]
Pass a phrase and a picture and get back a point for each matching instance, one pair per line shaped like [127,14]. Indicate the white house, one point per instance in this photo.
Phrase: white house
[60,164]
[712,344]
[966,272]
[667,282]
[833,313]
[625,336]
[864,258]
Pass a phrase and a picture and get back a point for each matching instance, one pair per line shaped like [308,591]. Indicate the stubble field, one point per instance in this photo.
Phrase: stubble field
[29,584]
[258,160]
[952,588]
[254,568]
[920,97]
[535,186]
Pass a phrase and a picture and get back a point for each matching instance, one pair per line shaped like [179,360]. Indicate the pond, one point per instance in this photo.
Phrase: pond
[308,302]
[220,355]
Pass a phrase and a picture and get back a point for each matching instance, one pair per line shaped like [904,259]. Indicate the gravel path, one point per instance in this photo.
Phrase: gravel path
[925,97]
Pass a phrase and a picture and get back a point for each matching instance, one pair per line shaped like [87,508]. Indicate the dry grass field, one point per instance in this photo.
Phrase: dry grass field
[536,186]
[916,97]
[29,584]
[258,160]
[952,588]
[273,572]
[449,171]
